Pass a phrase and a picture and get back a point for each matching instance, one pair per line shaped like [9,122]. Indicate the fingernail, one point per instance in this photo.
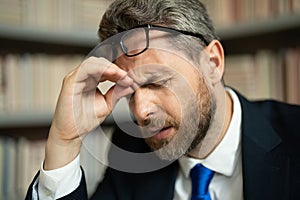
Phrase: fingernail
[135,86]
[126,81]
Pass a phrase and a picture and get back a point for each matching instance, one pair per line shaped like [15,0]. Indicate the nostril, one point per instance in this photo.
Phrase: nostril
[146,121]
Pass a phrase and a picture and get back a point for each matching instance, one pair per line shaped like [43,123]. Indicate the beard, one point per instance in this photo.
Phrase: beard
[195,120]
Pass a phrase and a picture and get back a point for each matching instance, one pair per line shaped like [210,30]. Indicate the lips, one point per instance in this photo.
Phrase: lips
[160,129]
[163,133]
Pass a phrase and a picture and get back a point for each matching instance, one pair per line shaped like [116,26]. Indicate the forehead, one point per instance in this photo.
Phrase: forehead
[163,48]
[157,64]
[137,40]
[159,58]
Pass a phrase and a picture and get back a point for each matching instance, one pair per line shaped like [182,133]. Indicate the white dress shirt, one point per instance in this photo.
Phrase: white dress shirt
[225,160]
[57,183]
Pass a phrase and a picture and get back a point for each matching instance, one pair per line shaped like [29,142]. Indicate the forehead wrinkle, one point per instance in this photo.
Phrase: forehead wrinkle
[151,73]
[146,58]
[149,64]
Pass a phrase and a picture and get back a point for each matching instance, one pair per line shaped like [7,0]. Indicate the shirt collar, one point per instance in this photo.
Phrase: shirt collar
[224,158]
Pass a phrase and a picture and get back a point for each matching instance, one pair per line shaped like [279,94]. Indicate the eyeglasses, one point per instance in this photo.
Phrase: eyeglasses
[134,41]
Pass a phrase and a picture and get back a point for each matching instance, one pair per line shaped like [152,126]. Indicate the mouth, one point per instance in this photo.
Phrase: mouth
[162,133]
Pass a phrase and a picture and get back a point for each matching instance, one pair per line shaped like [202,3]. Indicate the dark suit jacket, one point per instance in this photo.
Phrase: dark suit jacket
[270,156]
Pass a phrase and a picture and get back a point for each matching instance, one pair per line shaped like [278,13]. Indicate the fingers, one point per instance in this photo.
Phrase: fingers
[86,78]
[115,93]
[100,70]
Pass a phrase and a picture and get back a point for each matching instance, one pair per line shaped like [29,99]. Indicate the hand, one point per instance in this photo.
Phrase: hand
[81,107]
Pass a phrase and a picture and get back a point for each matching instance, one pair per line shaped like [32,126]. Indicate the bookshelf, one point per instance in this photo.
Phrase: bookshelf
[21,39]
[268,41]
[254,35]
[274,34]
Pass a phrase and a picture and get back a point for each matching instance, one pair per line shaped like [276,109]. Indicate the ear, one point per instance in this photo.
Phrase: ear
[216,59]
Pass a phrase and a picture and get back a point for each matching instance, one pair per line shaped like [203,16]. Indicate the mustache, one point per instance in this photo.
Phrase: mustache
[154,124]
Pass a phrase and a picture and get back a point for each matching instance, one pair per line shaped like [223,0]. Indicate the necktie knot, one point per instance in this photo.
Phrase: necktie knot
[201,177]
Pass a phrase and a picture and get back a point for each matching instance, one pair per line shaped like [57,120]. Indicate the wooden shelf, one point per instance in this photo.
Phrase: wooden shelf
[29,39]
[25,119]
[43,119]
[240,38]
[34,126]
[257,28]
[277,33]
[248,37]
[79,38]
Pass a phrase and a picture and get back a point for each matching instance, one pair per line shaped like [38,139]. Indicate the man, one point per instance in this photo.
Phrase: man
[165,58]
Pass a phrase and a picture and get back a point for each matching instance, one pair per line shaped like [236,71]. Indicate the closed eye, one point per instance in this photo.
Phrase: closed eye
[159,84]
[151,85]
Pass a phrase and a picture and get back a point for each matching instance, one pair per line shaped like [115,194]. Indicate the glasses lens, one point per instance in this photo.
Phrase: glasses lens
[134,41]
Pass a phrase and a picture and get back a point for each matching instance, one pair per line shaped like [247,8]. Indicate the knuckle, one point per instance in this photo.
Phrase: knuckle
[90,60]
[95,60]
[100,62]
[68,76]
[65,80]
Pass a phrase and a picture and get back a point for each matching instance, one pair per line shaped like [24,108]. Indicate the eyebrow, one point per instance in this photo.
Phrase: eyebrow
[153,77]
[158,79]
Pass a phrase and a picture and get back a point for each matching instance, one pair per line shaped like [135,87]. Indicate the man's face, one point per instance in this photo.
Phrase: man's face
[172,103]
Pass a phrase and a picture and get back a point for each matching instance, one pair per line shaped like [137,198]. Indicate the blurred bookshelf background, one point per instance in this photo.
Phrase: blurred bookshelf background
[42,40]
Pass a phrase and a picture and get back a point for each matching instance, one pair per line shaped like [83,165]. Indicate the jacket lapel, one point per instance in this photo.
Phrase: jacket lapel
[265,165]
[159,185]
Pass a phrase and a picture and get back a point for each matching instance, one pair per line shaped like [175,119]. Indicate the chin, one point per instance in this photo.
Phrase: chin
[168,149]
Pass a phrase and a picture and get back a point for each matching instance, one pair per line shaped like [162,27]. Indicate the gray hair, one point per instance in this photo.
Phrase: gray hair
[187,15]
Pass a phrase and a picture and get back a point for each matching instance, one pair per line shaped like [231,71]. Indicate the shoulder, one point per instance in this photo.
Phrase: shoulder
[278,112]
[277,109]
[282,117]
[271,109]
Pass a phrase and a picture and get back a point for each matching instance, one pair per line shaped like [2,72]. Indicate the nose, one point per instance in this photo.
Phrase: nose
[144,104]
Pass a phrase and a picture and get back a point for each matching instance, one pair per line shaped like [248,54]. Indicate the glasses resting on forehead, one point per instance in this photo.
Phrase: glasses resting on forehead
[134,41]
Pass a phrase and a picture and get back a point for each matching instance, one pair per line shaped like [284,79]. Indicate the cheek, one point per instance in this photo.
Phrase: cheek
[198,80]
[172,107]
[168,101]
[177,99]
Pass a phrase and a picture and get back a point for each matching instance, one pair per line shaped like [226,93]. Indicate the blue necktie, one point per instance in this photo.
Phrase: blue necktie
[201,177]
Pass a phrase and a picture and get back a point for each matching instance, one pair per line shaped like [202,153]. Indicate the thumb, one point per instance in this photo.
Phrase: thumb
[115,93]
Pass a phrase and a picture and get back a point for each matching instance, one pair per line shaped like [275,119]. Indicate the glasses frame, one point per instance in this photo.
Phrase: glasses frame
[147,28]
[172,30]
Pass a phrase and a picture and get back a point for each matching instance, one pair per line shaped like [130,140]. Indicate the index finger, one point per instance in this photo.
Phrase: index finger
[101,69]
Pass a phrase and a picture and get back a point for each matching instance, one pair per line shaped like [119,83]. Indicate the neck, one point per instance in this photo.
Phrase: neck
[218,127]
